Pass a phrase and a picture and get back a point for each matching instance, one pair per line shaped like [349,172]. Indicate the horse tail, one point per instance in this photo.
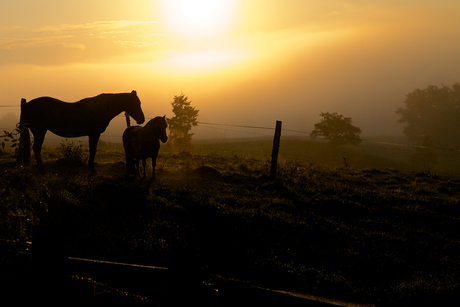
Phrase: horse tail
[130,167]
[24,149]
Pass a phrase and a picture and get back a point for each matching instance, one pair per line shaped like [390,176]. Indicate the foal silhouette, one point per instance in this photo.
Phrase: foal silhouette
[141,143]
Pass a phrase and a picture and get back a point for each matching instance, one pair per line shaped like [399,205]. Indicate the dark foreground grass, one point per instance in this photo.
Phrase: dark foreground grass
[373,236]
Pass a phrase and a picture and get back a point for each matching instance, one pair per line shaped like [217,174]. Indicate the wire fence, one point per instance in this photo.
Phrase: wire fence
[296,145]
[255,141]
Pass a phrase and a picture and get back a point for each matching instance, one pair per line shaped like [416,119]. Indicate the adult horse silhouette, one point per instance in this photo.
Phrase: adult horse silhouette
[87,117]
[141,143]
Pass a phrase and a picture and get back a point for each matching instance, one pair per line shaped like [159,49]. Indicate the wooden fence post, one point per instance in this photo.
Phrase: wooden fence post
[276,146]
[24,157]
[128,120]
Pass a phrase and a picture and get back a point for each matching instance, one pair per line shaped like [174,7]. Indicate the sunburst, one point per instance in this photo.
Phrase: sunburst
[198,9]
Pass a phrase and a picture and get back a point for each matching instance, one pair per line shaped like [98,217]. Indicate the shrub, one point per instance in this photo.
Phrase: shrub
[73,154]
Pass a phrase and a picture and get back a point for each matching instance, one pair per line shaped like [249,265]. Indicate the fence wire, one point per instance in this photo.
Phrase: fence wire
[398,152]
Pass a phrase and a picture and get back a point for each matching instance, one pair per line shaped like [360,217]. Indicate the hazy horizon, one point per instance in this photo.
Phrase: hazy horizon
[248,63]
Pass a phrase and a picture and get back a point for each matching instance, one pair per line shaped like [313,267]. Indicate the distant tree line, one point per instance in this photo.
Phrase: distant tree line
[432,116]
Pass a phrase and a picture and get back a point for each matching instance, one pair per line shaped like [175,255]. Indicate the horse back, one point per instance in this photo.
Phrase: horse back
[41,107]
[63,118]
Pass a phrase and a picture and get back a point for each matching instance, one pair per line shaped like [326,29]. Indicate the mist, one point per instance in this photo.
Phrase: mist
[356,60]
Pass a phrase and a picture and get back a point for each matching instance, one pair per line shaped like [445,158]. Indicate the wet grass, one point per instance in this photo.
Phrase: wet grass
[377,235]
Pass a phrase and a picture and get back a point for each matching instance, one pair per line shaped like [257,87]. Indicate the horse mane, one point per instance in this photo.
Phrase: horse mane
[152,121]
[149,128]
[109,94]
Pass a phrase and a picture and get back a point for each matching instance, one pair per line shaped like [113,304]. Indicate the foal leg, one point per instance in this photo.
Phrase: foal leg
[93,139]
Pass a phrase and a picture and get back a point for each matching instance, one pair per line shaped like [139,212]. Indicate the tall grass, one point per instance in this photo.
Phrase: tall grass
[370,235]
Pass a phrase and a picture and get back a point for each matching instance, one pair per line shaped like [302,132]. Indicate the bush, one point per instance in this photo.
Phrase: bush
[74,155]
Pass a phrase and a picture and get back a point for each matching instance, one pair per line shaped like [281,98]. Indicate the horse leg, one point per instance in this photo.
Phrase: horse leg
[39,137]
[154,164]
[129,163]
[93,139]
[136,168]
[144,164]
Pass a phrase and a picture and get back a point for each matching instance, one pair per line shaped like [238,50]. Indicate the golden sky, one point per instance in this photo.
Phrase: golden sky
[244,62]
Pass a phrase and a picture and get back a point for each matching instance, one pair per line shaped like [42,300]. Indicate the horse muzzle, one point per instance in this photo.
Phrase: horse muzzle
[140,118]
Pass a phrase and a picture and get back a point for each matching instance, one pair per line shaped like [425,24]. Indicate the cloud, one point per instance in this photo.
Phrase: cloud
[12,43]
[138,44]
[7,28]
[97,26]
[92,42]
[74,46]
[77,35]
[155,34]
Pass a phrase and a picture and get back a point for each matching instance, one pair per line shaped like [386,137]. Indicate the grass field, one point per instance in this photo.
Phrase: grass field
[373,235]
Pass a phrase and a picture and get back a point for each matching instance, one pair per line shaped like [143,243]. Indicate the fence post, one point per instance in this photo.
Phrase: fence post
[128,120]
[23,157]
[276,146]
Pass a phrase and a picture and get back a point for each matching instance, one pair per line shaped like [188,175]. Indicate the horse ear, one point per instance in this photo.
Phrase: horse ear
[164,116]
[134,92]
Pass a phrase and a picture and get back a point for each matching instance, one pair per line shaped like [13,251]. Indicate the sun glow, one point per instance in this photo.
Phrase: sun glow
[198,9]
[198,18]
[204,61]
[196,28]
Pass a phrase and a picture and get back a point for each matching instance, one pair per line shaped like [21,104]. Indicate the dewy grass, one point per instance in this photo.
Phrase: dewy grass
[73,154]
[376,236]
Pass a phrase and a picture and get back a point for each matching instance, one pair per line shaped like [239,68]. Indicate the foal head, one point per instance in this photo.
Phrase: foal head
[160,128]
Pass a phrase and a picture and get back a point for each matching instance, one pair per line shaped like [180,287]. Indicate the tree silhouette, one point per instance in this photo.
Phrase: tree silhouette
[180,125]
[433,112]
[337,129]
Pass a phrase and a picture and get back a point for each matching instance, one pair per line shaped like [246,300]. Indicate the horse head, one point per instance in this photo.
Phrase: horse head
[160,129]
[134,108]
